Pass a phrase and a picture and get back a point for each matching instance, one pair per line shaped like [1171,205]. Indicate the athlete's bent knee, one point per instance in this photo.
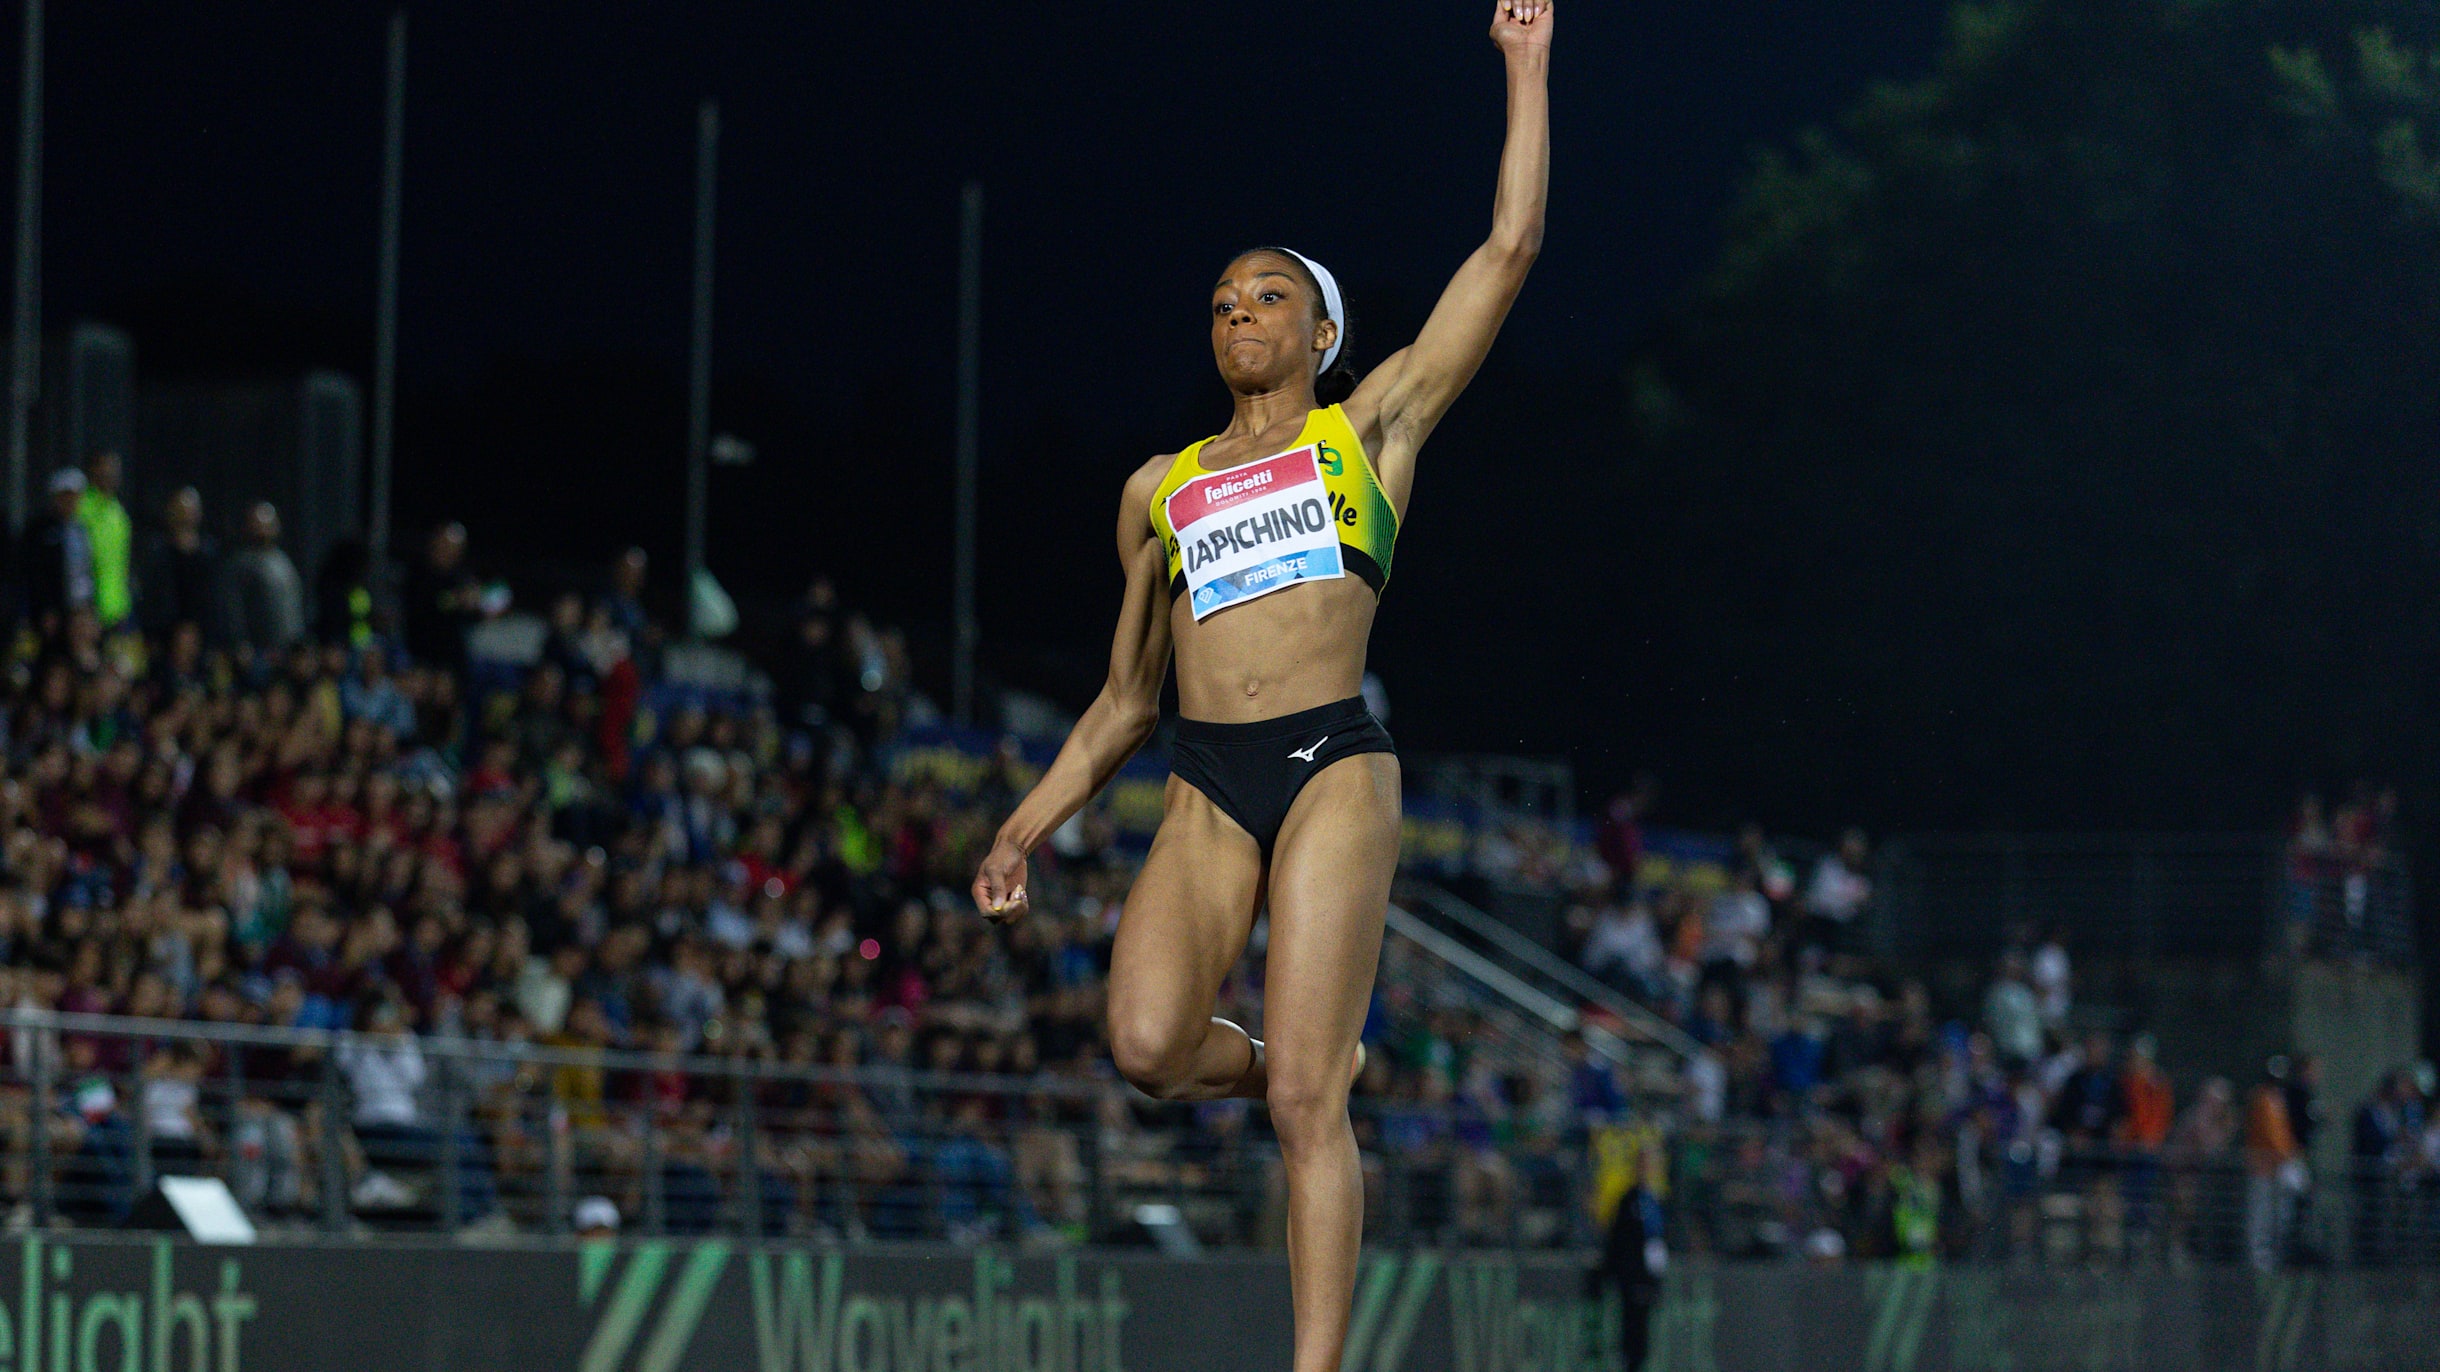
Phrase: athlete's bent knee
[1154,1057]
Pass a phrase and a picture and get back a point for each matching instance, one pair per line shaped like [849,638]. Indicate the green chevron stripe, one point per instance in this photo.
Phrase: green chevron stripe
[1903,1305]
[30,1337]
[1371,1298]
[2299,1315]
[2266,1341]
[1411,1300]
[685,1308]
[1922,1284]
[628,1302]
[593,1262]
[1879,1287]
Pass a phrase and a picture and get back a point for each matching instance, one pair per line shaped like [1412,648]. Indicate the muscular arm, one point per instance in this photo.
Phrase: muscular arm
[1405,397]
[1114,725]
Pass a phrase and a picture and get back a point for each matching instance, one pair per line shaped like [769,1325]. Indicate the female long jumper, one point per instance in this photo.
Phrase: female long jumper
[1256,557]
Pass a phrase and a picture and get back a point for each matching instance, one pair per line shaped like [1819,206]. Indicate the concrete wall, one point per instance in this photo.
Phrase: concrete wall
[2362,1022]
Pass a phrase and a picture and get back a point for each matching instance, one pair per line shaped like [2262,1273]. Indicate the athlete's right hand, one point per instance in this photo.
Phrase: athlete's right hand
[1522,24]
[999,888]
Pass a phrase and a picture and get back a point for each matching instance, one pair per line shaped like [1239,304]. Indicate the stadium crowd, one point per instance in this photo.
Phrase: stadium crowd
[224,802]
[2345,892]
[233,799]
[1830,1111]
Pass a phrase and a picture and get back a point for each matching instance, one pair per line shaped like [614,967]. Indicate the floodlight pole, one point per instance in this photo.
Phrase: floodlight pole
[26,350]
[385,316]
[699,378]
[969,423]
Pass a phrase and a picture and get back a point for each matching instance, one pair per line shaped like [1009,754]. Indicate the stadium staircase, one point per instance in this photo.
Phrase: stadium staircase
[1528,997]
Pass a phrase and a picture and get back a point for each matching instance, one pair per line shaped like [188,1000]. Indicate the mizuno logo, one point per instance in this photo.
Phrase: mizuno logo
[1306,754]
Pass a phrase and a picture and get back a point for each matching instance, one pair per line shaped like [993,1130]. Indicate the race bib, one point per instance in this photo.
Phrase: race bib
[1254,529]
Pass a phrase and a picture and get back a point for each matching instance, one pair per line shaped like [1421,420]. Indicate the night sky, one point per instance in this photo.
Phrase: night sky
[212,179]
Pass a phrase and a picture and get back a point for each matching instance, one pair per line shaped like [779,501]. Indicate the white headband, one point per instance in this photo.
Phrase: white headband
[1333,309]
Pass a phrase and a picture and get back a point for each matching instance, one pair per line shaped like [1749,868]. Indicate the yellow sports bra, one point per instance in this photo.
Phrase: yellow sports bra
[1313,512]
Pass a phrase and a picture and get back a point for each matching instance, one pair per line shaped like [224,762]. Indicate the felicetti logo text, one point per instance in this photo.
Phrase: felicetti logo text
[158,1328]
[1224,489]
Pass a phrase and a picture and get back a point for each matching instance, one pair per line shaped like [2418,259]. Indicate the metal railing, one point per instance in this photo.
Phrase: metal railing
[345,1133]
[2333,906]
[1544,972]
[1945,895]
[1786,1189]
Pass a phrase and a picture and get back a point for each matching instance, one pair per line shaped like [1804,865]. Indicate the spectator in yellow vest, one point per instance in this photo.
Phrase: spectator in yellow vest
[112,537]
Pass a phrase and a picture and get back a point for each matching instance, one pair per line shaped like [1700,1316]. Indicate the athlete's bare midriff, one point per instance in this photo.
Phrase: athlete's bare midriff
[1291,650]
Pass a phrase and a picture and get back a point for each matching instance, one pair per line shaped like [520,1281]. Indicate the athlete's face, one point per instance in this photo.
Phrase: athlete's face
[1267,327]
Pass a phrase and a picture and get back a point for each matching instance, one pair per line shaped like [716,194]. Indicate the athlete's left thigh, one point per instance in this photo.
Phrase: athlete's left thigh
[1329,896]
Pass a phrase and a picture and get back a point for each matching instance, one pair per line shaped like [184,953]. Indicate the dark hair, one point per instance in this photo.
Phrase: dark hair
[1339,382]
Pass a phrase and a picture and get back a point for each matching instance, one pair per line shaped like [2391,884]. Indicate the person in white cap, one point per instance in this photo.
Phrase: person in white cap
[1258,555]
[596,1217]
[55,571]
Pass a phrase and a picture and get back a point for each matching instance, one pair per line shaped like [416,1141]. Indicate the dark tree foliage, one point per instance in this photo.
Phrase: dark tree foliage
[2057,442]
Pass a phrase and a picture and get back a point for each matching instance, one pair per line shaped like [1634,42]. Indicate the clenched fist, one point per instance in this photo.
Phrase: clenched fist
[999,887]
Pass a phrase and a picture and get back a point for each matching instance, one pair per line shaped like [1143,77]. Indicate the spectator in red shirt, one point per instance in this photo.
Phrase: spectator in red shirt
[306,809]
[1620,840]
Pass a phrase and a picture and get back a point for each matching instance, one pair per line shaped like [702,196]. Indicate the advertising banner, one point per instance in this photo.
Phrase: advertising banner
[111,1304]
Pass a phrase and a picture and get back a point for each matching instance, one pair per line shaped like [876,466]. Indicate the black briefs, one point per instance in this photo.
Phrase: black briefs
[1253,771]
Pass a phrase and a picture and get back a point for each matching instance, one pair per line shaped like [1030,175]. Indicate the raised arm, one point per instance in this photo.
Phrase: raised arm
[1406,395]
[1113,726]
